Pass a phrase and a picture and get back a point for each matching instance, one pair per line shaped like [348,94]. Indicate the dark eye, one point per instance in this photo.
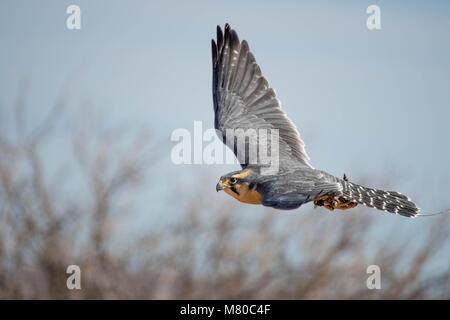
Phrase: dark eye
[233,180]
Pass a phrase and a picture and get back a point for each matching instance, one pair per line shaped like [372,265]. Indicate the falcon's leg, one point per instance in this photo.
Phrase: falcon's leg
[331,203]
[322,201]
[327,201]
[344,204]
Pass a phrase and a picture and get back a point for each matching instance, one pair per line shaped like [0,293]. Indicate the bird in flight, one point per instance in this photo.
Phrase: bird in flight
[244,100]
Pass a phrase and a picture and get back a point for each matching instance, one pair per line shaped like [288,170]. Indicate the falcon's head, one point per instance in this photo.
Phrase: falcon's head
[241,185]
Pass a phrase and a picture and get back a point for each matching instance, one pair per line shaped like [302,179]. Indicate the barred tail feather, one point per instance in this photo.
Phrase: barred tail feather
[390,201]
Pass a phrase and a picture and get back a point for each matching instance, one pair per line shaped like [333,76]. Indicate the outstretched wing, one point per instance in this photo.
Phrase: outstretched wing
[243,99]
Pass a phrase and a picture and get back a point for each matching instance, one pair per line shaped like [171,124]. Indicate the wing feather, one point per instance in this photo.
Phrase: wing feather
[244,100]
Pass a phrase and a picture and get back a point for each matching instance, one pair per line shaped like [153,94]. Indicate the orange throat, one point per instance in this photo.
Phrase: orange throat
[244,194]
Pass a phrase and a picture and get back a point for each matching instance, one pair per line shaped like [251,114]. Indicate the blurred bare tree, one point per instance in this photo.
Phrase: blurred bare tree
[207,253]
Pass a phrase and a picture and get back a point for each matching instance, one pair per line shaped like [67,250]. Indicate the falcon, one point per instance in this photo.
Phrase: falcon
[244,100]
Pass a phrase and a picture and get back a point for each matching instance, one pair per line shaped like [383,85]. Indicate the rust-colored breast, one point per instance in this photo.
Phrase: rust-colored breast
[245,194]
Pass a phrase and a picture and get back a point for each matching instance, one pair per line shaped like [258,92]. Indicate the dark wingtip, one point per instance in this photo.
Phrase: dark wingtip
[244,45]
[227,33]
[235,38]
[214,51]
[219,38]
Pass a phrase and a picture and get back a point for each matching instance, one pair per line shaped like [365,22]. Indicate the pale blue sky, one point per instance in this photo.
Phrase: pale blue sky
[368,103]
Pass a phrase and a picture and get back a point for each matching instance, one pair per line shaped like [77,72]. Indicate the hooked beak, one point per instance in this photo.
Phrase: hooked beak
[219,187]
